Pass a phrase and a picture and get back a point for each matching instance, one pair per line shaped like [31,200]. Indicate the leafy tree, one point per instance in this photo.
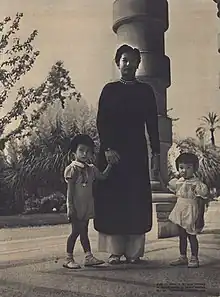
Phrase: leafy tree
[18,58]
[30,103]
[57,86]
[28,107]
[168,113]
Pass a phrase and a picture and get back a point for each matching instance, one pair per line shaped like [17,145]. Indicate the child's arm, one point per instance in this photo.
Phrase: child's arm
[170,185]
[201,191]
[202,195]
[70,178]
[71,211]
[102,175]
[202,198]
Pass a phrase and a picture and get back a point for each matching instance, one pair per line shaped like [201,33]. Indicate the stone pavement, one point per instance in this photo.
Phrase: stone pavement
[31,265]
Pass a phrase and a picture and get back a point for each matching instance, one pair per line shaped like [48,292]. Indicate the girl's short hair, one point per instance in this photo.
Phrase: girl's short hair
[188,158]
[127,49]
[81,139]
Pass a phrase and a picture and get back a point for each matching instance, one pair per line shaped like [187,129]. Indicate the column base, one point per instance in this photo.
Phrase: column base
[163,204]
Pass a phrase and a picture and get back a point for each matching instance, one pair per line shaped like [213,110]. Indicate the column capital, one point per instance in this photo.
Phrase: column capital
[153,13]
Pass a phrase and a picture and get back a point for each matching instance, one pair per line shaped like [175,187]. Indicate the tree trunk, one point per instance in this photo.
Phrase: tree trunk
[212,137]
[202,142]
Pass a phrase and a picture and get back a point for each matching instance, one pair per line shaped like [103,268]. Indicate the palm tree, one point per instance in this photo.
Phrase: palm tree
[200,133]
[211,123]
[168,113]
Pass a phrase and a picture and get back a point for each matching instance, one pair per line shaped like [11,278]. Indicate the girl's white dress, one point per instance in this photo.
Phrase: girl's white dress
[185,212]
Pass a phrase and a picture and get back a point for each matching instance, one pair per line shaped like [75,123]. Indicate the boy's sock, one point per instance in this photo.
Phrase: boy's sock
[69,256]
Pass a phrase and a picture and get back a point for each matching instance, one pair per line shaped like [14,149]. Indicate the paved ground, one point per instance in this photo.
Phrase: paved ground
[31,265]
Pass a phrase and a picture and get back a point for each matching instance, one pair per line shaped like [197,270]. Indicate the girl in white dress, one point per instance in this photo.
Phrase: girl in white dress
[189,190]
[79,176]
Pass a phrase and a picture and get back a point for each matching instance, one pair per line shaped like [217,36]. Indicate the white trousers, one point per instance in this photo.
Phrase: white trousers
[131,246]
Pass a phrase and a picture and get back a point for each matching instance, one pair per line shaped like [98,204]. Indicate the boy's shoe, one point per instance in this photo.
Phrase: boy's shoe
[92,261]
[71,264]
[181,261]
[193,262]
[114,260]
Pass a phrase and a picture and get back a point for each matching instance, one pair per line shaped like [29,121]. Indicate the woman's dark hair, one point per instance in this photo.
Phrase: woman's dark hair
[127,49]
[188,158]
[82,139]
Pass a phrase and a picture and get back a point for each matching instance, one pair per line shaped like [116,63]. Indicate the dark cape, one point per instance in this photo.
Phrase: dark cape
[123,202]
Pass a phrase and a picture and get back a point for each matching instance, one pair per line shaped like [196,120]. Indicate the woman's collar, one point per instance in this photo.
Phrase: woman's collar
[128,82]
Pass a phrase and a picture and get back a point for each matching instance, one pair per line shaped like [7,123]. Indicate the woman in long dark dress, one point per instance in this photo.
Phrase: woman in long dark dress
[123,203]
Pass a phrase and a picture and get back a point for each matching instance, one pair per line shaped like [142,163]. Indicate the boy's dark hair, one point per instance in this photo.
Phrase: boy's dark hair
[188,158]
[82,139]
[127,49]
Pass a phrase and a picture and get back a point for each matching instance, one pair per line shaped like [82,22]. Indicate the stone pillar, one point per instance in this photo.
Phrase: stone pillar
[218,7]
[218,36]
[142,24]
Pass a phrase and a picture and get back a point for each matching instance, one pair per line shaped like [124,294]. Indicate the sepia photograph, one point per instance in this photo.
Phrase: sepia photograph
[109,148]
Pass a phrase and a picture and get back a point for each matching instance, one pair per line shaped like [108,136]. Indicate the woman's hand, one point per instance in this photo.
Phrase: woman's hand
[112,156]
[177,175]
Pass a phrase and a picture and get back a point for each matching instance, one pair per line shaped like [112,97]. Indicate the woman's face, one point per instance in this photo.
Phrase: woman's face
[128,65]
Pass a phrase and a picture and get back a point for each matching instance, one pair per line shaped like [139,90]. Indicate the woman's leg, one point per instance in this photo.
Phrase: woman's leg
[116,244]
[112,244]
[116,248]
[134,247]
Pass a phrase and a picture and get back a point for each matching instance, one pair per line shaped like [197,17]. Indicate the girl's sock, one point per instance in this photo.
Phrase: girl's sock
[88,254]
[194,257]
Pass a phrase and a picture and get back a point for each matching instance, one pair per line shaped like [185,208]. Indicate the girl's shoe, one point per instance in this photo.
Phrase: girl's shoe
[71,264]
[181,261]
[193,262]
[114,260]
[92,261]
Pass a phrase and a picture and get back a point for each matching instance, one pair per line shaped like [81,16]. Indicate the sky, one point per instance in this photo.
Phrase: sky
[80,33]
